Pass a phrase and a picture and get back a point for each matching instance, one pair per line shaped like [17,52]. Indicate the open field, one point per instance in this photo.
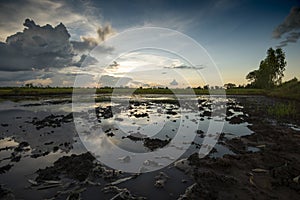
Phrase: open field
[9,91]
[286,91]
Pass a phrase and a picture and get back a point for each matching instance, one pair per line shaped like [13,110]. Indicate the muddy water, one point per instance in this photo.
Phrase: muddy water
[34,134]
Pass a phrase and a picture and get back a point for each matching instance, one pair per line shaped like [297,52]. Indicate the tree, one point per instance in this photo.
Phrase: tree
[229,85]
[29,85]
[252,76]
[270,70]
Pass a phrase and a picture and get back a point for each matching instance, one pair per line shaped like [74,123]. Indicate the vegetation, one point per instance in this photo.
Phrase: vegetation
[270,70]
[23,91]
[287,90]
[229,85]
[283,110]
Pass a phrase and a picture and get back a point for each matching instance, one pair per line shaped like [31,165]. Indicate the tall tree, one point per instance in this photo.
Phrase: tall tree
[270,70]
[229,85]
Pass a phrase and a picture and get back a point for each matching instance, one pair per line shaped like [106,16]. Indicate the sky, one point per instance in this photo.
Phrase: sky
[52,42]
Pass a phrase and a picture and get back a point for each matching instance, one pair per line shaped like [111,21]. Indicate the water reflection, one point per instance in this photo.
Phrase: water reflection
[147,124]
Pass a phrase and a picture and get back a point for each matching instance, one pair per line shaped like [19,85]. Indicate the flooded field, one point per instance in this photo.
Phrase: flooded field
[43,155]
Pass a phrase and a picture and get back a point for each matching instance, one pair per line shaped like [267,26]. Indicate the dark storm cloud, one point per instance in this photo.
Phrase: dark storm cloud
[40,54]
[20,75]
[80,17]
[36,47]
[290,26]
[42,47]
[9,78]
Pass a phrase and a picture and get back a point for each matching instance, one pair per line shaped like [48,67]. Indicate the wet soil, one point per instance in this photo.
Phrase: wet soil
[271,173]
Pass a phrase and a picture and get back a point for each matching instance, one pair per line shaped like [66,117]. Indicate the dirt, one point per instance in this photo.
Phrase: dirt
[52,121]
[75,166]
[271,173]
[5,168]
[155,143]
[104,112]
[6,193]
[150,143]
[86,172]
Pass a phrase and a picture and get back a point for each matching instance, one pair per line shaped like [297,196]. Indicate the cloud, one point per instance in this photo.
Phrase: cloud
[88,43]
[112,81]
[36,47]
[289,26]
[185,67]
[43,82]
[103,33]
[80,17]
[174,83]
[291,22]
[8,78]
[67,83]
[86,60]
[44,51]
[21,75]
[114,65]
[291,38]
[144,61]
[136,84]
[146,85]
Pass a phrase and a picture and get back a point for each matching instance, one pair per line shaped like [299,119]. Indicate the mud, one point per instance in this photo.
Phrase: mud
[261,165]
[271,173]
[52,121]
[5,193]
[75,166]
[153,144]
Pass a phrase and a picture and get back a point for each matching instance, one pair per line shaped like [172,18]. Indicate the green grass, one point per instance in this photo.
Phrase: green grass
[288,90]
[245,91]
[21,91]
[283,110]
[18,91]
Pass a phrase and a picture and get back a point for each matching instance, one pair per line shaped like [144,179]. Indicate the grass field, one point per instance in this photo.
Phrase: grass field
[68,91]
[58,91]
[288,90]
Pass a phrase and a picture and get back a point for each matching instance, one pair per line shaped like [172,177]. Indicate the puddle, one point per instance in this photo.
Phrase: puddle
[253,149]
[46,132]
[127,126]
[294,127]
